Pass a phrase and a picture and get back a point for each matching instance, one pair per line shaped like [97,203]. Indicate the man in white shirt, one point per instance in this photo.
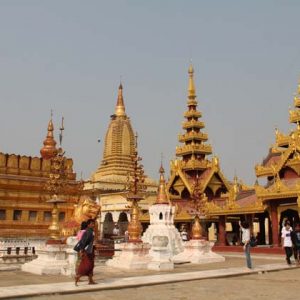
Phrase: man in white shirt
[286,241]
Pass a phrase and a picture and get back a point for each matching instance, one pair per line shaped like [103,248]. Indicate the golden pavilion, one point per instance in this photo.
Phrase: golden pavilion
[197,184]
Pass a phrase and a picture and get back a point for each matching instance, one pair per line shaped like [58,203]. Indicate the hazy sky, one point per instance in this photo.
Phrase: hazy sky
[69,55]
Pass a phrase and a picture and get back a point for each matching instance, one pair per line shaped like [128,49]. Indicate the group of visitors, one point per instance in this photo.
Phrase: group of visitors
[290,241]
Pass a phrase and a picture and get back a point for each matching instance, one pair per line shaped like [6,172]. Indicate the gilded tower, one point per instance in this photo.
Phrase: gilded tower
[119,145]
[192,165]
[110,179]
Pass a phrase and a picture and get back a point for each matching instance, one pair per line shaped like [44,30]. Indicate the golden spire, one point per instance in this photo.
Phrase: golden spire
[162,197]
[49,150]
[191,88]
[120,107]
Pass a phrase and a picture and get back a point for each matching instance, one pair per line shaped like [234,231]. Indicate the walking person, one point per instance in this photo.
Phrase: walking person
[86,252]
[286,241]
[244,226]
[79,235]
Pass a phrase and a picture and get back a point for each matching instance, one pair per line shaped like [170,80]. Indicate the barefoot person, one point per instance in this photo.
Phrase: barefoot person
[86,253]
[246,241]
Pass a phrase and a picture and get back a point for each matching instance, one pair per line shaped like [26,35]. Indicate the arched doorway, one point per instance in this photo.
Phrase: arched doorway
[123,223]
[108,225]
[291,215]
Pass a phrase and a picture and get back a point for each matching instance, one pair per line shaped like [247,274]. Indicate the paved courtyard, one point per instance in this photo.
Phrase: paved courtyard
[114,283]
[283,285]
[11,278]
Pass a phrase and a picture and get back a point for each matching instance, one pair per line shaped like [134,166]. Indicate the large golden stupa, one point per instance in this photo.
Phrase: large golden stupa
[119,146]
[109,181]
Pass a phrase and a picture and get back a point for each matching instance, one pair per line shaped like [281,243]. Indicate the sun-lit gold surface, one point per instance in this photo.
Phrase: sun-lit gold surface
[49,149]
[197,231]
[119,145]
[23,197]
[192,164]
[84,210]
[107,183]
[54,228]
[136,189]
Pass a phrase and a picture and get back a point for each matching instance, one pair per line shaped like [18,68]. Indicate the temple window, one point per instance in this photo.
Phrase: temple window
[17,215]
[32,215]
[160,216]
[61,216]
[47,216]
[2,214]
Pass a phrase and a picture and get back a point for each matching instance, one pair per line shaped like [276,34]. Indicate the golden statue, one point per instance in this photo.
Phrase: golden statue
[84,210]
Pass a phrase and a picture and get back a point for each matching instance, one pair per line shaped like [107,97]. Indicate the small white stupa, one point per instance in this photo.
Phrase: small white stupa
[161,234]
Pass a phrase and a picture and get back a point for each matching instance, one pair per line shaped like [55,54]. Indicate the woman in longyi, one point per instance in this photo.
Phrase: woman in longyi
[86,252]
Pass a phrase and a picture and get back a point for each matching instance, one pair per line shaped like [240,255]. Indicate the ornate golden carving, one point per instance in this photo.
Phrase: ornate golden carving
[119,146]
[84,210]
[49,149]
[196,148]
[136,189]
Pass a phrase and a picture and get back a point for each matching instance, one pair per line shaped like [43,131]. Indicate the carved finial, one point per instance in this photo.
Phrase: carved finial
[120,107]
[136,139]
[162,197]
[49,149]
[191,87]
[61,129]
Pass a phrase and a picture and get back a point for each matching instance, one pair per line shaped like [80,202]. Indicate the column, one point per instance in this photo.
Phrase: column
[262,230]
[274,221]
[222,232]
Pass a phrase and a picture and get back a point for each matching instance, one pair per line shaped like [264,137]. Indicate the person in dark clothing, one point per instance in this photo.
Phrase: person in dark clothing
[296,242]
[86,252]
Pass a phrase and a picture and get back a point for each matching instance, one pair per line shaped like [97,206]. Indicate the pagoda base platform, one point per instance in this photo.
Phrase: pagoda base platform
[161,255]
[132,256]
[51,260]
[198,252]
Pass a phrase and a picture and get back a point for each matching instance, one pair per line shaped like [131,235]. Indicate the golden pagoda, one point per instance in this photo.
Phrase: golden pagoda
[108,183]
[24,211]
[193,169]
[119,145]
